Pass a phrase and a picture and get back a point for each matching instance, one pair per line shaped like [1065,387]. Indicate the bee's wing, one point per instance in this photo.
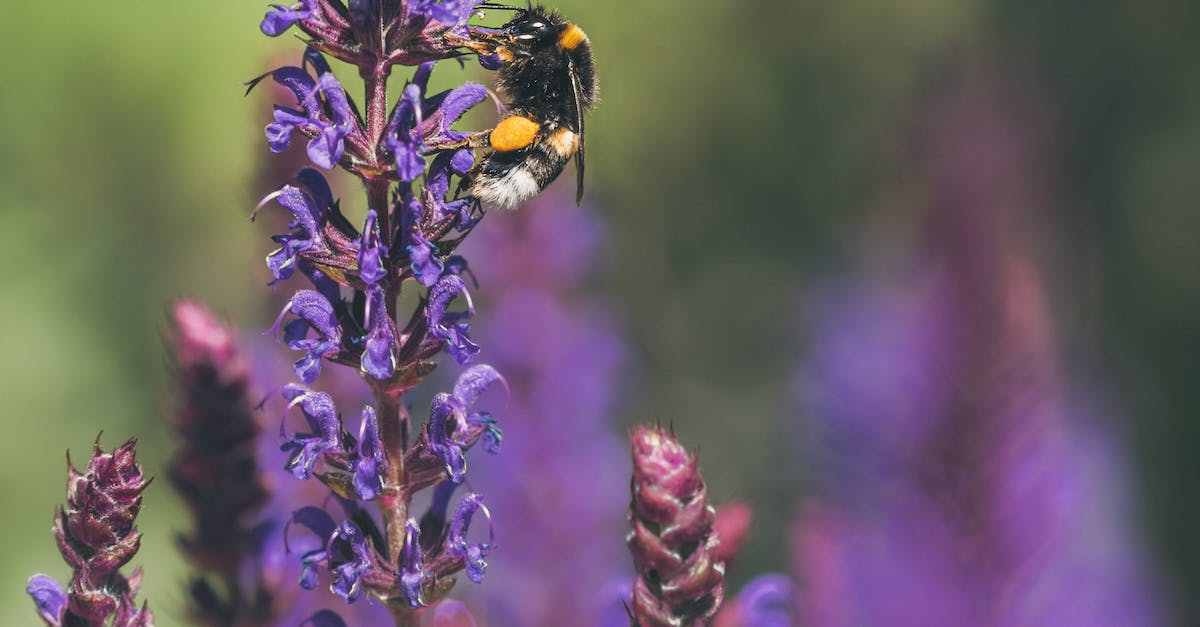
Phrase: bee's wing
[578,125]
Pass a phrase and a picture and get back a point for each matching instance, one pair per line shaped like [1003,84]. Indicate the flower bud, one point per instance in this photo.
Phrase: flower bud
[672,541]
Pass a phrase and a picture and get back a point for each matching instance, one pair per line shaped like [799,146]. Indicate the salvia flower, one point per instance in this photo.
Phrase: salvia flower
[411,162]
[672,540]
[96,535]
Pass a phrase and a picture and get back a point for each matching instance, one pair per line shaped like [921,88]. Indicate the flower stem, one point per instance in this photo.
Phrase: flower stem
[393,415]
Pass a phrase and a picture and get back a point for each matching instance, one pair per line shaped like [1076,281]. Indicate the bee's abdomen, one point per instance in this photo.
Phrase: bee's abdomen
[507,179]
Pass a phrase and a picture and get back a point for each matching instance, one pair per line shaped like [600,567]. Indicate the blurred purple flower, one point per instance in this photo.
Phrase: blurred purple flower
[964,484]
[562,358]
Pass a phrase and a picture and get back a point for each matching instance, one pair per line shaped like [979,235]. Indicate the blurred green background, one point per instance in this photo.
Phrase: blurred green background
[738,152]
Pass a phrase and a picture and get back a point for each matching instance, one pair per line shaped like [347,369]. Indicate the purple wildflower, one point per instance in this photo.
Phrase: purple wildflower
[452,327]
[450,419]
[324,115]
[321,415]
[471,553]
[352,313]
[314,313]
[368,466]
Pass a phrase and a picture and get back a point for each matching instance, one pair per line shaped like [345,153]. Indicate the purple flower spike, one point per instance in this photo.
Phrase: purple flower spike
[473,554]
[280,18]
[379,356]
[313,311]
[368,466]
[412,568]
[319,411]
[49,597]
[448,418]
[451,328]
[324,618]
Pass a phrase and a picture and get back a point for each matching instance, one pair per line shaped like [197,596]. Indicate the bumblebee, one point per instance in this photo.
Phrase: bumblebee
[548,79]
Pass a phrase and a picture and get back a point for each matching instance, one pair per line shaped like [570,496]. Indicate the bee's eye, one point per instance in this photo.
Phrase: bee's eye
[531,30]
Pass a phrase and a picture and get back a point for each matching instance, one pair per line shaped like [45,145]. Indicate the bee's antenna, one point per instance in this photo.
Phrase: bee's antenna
[497,7]
[528,5]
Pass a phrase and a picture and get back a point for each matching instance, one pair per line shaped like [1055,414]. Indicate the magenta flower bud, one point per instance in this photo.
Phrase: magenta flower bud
[673,541]
[96,536]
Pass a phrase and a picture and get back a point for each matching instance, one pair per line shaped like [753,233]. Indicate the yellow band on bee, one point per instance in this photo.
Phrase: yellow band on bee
[571,37]
[513,133]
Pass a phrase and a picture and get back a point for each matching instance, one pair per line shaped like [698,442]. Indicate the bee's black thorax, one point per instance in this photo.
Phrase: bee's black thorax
[538,80]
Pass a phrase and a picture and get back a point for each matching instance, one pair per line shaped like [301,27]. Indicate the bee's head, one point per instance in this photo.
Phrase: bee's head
[534,27]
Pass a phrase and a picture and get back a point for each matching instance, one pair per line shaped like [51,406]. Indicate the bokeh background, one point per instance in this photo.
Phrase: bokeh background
[743,155]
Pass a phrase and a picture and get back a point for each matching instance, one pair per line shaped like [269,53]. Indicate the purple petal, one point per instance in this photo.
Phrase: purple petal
[490,61]
[426,265]
[49,597]
[461,161]
[473,381]
[473,554]
[368,466]
[279,18]
[412,569]
[379,355]
[296,80]
[440,295]
[407,149]
[371,251]
[347,582]
[492,435]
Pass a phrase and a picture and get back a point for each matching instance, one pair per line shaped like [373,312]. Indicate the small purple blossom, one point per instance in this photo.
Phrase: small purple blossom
[371,252]
[473,554]
[368,465]
[379,358]
[49,597]
[315,313]
[325,114]
[350,548]
[309,204]
[449,418]
[401,141]
[321,415]
[452,328]
[412,568]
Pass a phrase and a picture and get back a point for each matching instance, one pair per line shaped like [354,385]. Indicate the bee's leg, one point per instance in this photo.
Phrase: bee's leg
[474,140]
[480,41]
